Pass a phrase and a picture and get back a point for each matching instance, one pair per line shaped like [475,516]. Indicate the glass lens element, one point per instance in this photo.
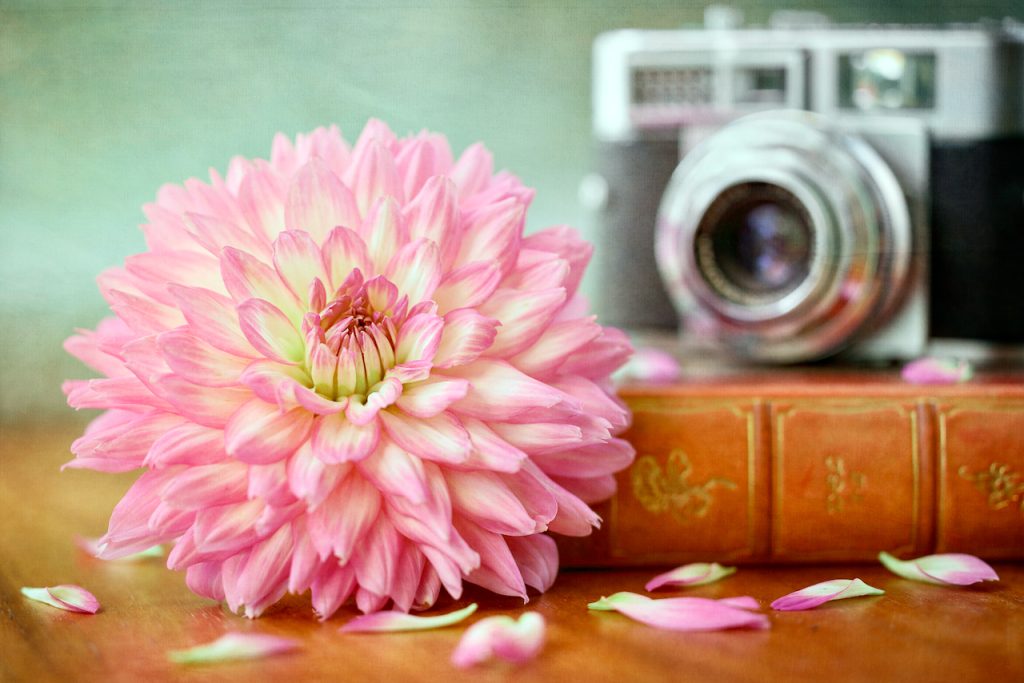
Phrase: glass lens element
[755,243]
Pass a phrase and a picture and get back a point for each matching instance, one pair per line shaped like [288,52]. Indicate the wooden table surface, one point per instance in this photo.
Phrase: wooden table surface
[915,632]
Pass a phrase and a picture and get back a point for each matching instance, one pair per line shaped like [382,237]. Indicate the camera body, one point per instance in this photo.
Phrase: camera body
[798,191]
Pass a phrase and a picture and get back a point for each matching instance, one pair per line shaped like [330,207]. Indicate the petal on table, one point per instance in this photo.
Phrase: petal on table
[66,596]
[820,593]
[234,646]
[384,622]
[684,614]
[955,569]
[695,574]
[937,371]
[502,637]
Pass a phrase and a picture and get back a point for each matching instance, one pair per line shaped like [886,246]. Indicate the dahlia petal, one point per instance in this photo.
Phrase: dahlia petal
[298,261]
[235,646]
[537,559]
[681,614]
[820,593]
[431,396]
[143,315]
[599,358]
[285,386]
[344,517]
[270,484]
[416,162]
[502,637]
[534,493]
[318,202]
[596,401]
[696,574]
[270,331]
[574,518]
[212,318]
[590,490]
[389,622]
[955,569]
[428,521]
[373,175]
[432,215]
[205,579]
[488,501]
[368,602]
[440,438]
[384,232]
[650,365]
[467,286]
[428,589]
[498,571]
[206,486]
[261,200]
[407,577]
[540,438]
[419,338]
[85,346]
[305,562]
[559,341]
[416,270]
[492,233]
[199,362]
[587,461]
[465,336]
[266,567]
[215,234]
[246,277]
[123,447]
[323,369]
[497,391]
[395,472]
[473,169]
[567,243]
[310,478]
[154,270]
[488,450]
[337,440]
[67,597]
[936,371]
[344,251]
[208,406]
[221,531]
[128,531]
[377,558]
[91,546]
[259,434]
[448,571]
[126,393]
[524,315]
[331,588]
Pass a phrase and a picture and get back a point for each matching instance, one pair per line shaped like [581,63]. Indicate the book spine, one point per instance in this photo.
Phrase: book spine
[813,479]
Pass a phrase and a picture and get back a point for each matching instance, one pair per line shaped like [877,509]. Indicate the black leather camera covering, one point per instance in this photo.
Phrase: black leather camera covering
[977,240]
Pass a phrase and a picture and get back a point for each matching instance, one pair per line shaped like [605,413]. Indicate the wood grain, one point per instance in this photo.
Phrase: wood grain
[915,632]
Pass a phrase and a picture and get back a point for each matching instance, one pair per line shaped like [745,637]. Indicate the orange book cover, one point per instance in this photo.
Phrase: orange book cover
[810,467]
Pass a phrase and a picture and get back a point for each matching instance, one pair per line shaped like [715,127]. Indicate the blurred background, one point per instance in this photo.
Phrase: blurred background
[101,103]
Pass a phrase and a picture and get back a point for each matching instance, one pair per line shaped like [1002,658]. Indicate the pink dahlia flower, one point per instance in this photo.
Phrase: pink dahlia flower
[348,371]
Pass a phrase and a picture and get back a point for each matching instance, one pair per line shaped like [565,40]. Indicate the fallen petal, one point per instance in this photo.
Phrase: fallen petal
[502,637]
[383,622]
[234,646]
[649,366]
[954,569]
[684,614]
[696,574]
[937,371]
[66,596]
[820,593]
[92,547]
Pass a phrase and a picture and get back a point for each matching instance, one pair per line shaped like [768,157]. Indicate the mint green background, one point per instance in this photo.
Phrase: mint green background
[102,103]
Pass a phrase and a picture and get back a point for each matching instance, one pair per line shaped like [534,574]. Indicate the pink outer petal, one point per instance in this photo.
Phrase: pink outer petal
[683,614]
[936,371]
[503,637]
[956,568]
[234,646]
[694,574]
[65,596]
[384,622]
[259,433]
[820,593]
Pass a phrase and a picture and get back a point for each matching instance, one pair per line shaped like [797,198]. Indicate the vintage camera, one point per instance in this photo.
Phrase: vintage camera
[800,190]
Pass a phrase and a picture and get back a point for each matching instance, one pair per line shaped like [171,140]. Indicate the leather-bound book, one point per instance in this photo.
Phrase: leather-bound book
[805,467]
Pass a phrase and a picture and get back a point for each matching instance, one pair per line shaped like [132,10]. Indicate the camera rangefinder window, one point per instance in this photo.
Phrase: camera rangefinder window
[755,243]
[886,80]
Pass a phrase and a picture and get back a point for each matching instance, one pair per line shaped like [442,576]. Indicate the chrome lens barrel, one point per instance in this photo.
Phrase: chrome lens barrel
[783,238]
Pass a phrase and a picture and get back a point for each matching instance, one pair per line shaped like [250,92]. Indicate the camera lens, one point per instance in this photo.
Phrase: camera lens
[755,243]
